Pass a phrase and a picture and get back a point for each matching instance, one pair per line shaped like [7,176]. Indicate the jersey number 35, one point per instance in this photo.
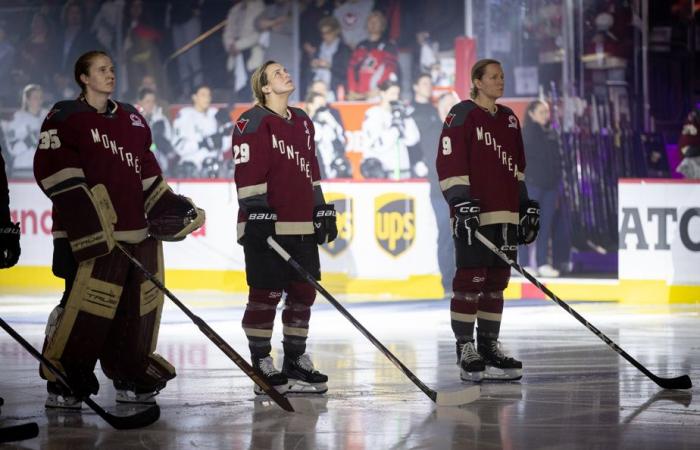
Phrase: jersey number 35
[49,139]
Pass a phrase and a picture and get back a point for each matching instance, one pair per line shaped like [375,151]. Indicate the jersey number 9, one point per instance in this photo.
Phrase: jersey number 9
[241,153]
[446,145]
[49,139]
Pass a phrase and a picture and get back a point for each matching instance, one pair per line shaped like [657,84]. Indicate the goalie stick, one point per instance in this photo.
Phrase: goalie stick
[454,398]
[213,336]
[138,420]
[682,382]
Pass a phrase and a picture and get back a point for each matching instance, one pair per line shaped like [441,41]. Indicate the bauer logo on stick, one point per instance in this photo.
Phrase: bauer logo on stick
[394,222]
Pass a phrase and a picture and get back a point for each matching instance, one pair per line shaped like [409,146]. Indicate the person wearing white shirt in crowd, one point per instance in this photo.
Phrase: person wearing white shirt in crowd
[161,130]
[22,132]
[387,132]
[195,127]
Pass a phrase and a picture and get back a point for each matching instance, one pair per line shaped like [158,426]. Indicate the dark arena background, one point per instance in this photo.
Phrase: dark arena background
[603,309]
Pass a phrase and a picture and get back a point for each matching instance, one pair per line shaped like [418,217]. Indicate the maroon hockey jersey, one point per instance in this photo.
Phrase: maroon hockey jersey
[4,194]
[79,145]
[276,167]
[480,156]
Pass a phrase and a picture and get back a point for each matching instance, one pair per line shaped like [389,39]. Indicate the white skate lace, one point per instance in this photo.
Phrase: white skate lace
[267,366]
[304,361]
[496,349]
[469,353]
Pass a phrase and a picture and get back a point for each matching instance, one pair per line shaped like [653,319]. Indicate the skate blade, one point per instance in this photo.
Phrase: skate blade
[282,389]
[302,387]
[474,377]
[136,399]
[61,405]
[494,373]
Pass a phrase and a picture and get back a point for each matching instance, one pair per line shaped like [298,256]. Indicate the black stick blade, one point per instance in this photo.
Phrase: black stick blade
[139,420]
[682,382]
[19,432]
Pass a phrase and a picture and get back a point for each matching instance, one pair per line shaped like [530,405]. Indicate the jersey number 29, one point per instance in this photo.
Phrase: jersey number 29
[241,153]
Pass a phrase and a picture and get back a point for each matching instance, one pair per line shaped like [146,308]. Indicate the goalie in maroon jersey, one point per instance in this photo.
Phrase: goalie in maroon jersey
[481,167]
[279,194]
[94,151]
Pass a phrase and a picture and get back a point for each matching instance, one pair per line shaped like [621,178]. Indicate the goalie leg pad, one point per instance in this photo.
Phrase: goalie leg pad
[128,356]
[78,333]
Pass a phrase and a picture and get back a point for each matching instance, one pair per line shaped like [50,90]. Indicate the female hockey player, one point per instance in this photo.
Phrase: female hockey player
[279,194]
[108,310]
[481,167]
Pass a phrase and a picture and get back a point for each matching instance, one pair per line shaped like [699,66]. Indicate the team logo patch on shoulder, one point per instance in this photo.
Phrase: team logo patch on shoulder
[136,121]
[52,112]
[512,122]
[241,124]
[448,120]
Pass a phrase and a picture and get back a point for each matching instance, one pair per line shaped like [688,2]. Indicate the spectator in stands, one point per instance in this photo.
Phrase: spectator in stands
[329,137]
[544,177]
[197,139]
[276,35]
[107,26]
[7,58]
[141,51]
[330,62]
[689,145]
[22,132]
[353,15]
[429,124]
[36,58]
[310,40]
[161,130]
[387,133]
[374,61]
[241,42]
[186,25]
[445,103]
[74,39]
[320,87]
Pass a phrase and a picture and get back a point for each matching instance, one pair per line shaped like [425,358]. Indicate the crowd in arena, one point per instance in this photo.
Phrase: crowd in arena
[385,52]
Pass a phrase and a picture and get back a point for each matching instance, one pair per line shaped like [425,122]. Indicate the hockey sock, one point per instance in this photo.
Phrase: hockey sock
[463,309]
[259,318]
[295,317]
[489,315]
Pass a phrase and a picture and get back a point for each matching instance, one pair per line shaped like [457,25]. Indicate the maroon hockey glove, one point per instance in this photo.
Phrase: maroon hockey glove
[260,224]
[529,224]
[324,223]
[9,245]
[466,220]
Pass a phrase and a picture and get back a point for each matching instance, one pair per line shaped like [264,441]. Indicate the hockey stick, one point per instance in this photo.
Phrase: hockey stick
[138,420]
[455,398]
[682,382]
[213,336]
[19,432]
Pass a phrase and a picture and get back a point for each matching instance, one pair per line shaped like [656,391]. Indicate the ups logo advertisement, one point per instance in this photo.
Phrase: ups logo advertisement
[344,221]
[394,222]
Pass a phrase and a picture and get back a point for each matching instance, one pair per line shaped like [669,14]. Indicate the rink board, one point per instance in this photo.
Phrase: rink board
[385,250]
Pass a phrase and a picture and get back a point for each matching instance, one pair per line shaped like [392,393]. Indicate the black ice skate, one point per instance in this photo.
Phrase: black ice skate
[303,377]
[498,365]
[277,379]
[131,393]
[61,398]
[471,364]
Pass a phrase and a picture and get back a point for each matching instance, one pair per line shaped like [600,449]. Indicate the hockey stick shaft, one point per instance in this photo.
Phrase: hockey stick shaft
[137,420]
[249,370]
[304,273]
[682,382]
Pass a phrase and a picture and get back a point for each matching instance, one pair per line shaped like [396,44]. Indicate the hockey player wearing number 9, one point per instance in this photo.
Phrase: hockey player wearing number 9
[279,194]
[481,167]
[93,151]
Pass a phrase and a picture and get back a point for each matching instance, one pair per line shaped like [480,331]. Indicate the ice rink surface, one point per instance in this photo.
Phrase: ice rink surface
[576,393]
